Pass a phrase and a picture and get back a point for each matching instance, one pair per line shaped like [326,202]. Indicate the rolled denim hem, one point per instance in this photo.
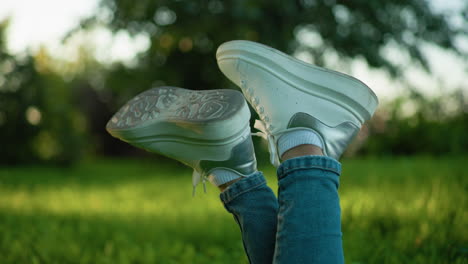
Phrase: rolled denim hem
[309,162]
[242,186]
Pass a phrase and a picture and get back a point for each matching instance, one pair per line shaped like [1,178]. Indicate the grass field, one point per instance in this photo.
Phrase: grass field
[404,210]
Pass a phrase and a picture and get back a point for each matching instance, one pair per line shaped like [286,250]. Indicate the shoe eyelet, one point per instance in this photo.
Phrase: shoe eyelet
[243,83]
[260,109]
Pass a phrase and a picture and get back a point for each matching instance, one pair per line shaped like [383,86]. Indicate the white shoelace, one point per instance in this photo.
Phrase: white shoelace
[264,133]
[196,178]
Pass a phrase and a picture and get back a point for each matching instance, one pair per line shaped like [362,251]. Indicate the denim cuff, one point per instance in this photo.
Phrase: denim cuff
[309,162]
[242,186]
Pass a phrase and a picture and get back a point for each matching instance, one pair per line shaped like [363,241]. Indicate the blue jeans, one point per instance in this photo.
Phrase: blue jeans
[303,225]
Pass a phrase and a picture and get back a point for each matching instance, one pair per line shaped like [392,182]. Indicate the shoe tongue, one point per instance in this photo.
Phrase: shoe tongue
[272,148]
[274,158]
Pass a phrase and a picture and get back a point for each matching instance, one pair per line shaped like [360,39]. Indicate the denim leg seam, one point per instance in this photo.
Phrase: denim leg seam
[304,225]
[246,200]
[243,242]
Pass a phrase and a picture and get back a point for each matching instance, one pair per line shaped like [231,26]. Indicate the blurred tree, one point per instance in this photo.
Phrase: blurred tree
[37,119]
[45,114]
[16,133]
[438,127]
[185,34]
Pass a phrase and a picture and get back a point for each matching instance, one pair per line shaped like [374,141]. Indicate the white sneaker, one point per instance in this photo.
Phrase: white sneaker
[290,94]
[202,129]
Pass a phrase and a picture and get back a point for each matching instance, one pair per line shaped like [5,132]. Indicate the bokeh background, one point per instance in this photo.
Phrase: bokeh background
[70,193]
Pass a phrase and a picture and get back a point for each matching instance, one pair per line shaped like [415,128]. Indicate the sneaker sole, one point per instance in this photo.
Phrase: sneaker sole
[341,89]
[180,123]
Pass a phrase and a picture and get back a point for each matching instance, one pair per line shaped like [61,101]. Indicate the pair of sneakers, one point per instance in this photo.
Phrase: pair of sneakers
[209,130]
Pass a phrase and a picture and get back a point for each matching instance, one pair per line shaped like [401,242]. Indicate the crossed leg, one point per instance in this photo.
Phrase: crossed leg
[303,225]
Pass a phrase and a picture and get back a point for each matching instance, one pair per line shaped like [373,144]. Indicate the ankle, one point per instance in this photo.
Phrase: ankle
[224,186]
[299,142]
[224,177]
[302,150]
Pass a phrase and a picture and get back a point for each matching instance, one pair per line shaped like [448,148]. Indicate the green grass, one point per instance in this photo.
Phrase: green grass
[405,210]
